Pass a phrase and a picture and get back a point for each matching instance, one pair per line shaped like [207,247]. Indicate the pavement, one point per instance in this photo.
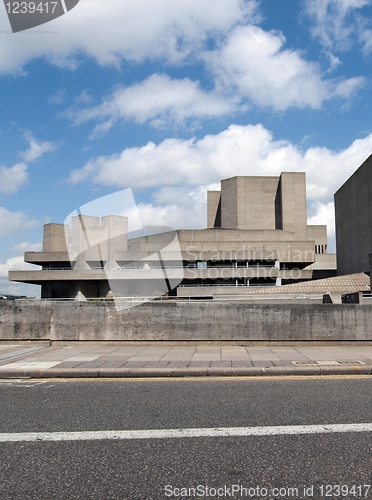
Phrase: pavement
[100,359]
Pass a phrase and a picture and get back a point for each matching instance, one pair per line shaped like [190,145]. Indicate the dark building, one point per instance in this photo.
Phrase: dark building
[353,206]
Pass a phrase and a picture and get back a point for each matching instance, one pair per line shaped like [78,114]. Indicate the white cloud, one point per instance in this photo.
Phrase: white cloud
[22,289]
[12,178]
[324,213]
[15,263]
[238,150]
[366,39]
[177,207]
[58,97]
[251,65]
[178,170]
[338,23]
[348,88]
[101,128]
[158,99]
[36,148]
[13,222]
[84,97]
[13,288]
[254,63]
[327,170]
[25,246]
[135,30]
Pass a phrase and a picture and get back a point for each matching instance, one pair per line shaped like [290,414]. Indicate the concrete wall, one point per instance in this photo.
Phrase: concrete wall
[95,239]
[54,239]
[258,203]
[184,321]
[293,203]
[353,207]
[213,209]
[248,202]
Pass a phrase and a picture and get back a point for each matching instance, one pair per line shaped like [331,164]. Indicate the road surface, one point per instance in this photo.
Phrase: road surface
[230,438]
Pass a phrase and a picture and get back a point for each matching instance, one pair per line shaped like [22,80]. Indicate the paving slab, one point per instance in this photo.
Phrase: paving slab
[262,354]
[179,354]
[177,360]
[207,353]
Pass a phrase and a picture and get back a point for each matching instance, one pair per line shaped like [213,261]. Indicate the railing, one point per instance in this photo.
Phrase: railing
[226,284]
[141,268]
[183,299]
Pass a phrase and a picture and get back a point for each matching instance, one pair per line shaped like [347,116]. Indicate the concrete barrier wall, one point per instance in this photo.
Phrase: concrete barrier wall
[184,321]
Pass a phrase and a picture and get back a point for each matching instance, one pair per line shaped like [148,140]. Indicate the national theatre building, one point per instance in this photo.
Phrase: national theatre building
[257,235]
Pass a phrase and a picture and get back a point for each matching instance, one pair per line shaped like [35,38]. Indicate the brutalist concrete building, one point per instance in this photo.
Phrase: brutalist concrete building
[257,235]
[353,206]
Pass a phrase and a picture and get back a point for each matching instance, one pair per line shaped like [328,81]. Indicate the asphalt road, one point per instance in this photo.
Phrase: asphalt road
[275,466]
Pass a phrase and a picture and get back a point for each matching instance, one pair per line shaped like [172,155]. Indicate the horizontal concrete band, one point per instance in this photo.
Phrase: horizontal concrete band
[185,372]
[184,321]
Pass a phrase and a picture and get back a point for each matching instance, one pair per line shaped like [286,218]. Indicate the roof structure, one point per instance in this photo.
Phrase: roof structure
[349,283]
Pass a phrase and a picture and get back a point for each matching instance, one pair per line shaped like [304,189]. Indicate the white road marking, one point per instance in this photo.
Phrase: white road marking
[185,433]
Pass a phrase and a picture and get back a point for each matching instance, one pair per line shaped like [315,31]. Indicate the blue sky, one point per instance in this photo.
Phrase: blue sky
[169,97]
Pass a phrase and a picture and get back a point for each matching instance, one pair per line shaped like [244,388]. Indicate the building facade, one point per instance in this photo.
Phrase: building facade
[257,235]
[353,207]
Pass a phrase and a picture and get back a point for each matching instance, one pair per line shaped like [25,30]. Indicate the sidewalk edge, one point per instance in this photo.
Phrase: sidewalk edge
[185,372]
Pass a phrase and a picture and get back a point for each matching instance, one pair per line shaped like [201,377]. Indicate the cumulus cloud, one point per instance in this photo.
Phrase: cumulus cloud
[324,213]
[175,170]
[11,288]
[338,23]
[238,150]
[177,161]
[177,207]
[25,246]
[12,222]
[366,39]
[251,66]
[15,263]
[135,30]
[255,63]
[12,178]
[158,99]
[36,148]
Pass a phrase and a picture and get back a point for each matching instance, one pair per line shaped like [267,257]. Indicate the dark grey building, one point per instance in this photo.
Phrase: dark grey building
[353,206]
